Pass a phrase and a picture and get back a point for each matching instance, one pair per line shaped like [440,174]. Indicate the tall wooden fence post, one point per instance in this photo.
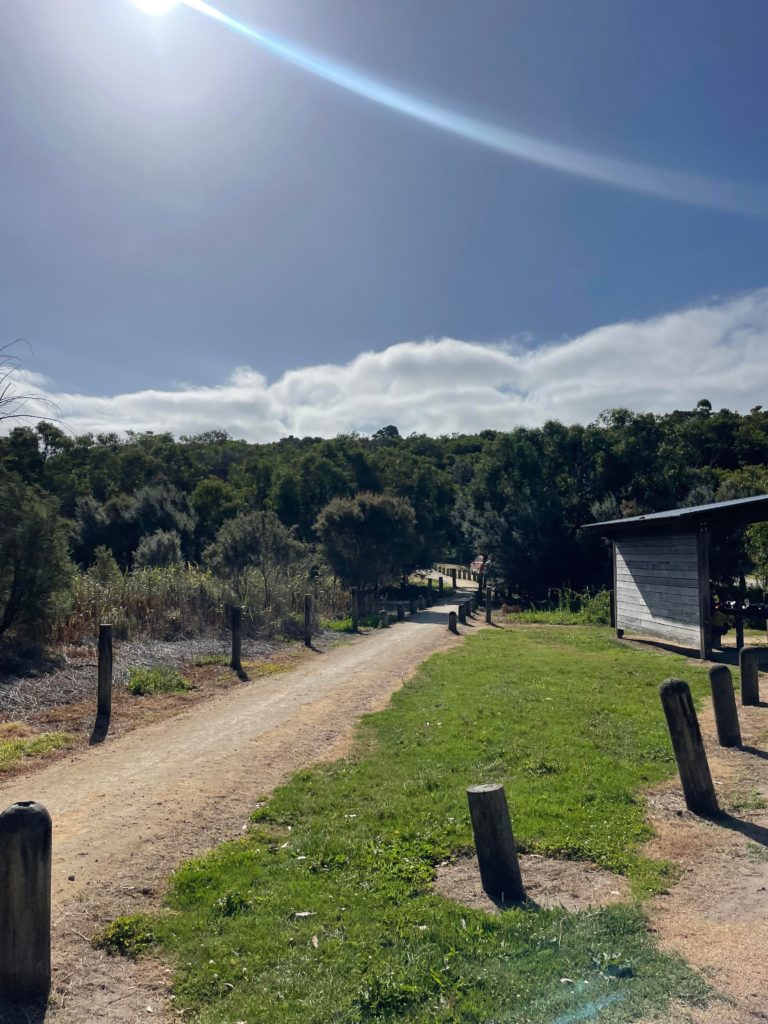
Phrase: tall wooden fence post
[236,612]
[440,585]
[25,905]
[453,578]
[495,844]
[724,703]
[488,605]
[308,620]
[355,611]
[749,658]
[688,745]
[104,695]
[452,622]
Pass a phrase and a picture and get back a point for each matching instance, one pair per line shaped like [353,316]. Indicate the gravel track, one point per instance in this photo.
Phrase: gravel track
[127,812]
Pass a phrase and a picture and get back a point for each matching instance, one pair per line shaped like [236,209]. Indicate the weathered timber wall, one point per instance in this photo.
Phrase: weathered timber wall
[657,587]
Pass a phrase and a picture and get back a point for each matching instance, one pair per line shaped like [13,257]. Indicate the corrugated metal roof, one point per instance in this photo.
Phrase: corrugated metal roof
[740,509]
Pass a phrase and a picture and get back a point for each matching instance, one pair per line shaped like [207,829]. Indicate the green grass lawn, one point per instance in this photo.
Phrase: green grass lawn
[323,913]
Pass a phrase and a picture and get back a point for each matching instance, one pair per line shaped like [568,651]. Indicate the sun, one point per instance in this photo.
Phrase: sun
[155,7]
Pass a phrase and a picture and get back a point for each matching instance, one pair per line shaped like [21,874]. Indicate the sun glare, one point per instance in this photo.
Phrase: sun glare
[155,7]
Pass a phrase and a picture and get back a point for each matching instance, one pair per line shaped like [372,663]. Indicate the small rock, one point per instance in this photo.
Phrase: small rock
[70,878]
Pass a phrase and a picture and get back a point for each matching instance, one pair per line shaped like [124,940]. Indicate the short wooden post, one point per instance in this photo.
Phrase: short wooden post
[355,610]
[480,582]
[25,905]
[739,632]
[495,844]
[689,750]
[422,604]
[308,620]
[384,618]
[724,703]
[462,613]
[440,585]
[488,605]
[453,622]
[470,605]
[401,611]
[414,606]
[104,695]
[453,578]
[429,583]
[749,659]
[237,637]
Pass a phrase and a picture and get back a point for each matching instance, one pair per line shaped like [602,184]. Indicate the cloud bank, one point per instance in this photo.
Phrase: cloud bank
[717,351]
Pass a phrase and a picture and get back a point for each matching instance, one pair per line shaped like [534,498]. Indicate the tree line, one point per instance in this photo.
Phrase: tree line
[368,507]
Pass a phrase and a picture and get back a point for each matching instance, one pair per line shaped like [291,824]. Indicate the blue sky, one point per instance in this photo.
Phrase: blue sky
[178,203]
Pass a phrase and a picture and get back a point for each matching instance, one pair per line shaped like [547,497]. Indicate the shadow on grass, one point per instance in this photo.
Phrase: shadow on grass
[754,751]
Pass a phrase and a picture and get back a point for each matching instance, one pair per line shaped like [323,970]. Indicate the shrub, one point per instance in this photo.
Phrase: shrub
[127,936]
[143,682]
[158,550]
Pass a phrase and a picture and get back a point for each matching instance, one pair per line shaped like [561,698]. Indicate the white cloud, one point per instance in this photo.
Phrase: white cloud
[718,351]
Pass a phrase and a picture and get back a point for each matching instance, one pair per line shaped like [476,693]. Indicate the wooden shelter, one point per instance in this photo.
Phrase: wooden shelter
[661,568]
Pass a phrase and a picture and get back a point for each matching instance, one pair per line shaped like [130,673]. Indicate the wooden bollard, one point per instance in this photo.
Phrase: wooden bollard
[453,622]
[488,605]
[237,637]
[440,585]
[430,598]
[470,603]
[462,613]
[749,658]
[104,694]
[414,606]
[739,633]
[401,611]
[25,905]
[453,578]
[308,620]
[355,611]
[422,603]
[429,583]
[689,750]
[724,703]
[495,844]
[384,619]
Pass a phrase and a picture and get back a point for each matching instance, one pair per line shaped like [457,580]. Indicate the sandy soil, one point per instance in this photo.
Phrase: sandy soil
[716,916]
[574,885]
[127,812]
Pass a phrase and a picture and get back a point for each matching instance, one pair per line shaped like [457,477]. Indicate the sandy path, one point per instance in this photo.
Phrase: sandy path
[126,813]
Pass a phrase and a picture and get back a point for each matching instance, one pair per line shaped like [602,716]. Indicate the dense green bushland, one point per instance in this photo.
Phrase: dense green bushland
[324,911]
[151,501]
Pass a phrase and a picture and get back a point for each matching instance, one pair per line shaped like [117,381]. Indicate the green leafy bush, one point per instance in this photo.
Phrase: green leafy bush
[127,936]
[143,682]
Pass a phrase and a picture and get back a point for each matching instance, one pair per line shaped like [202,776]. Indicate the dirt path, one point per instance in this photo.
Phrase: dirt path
[716,915]
[126,813]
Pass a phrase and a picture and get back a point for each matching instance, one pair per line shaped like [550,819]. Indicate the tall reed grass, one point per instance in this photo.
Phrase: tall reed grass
[178,602]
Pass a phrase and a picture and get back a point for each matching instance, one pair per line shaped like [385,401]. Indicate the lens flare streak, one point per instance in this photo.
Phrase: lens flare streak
[625,174]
